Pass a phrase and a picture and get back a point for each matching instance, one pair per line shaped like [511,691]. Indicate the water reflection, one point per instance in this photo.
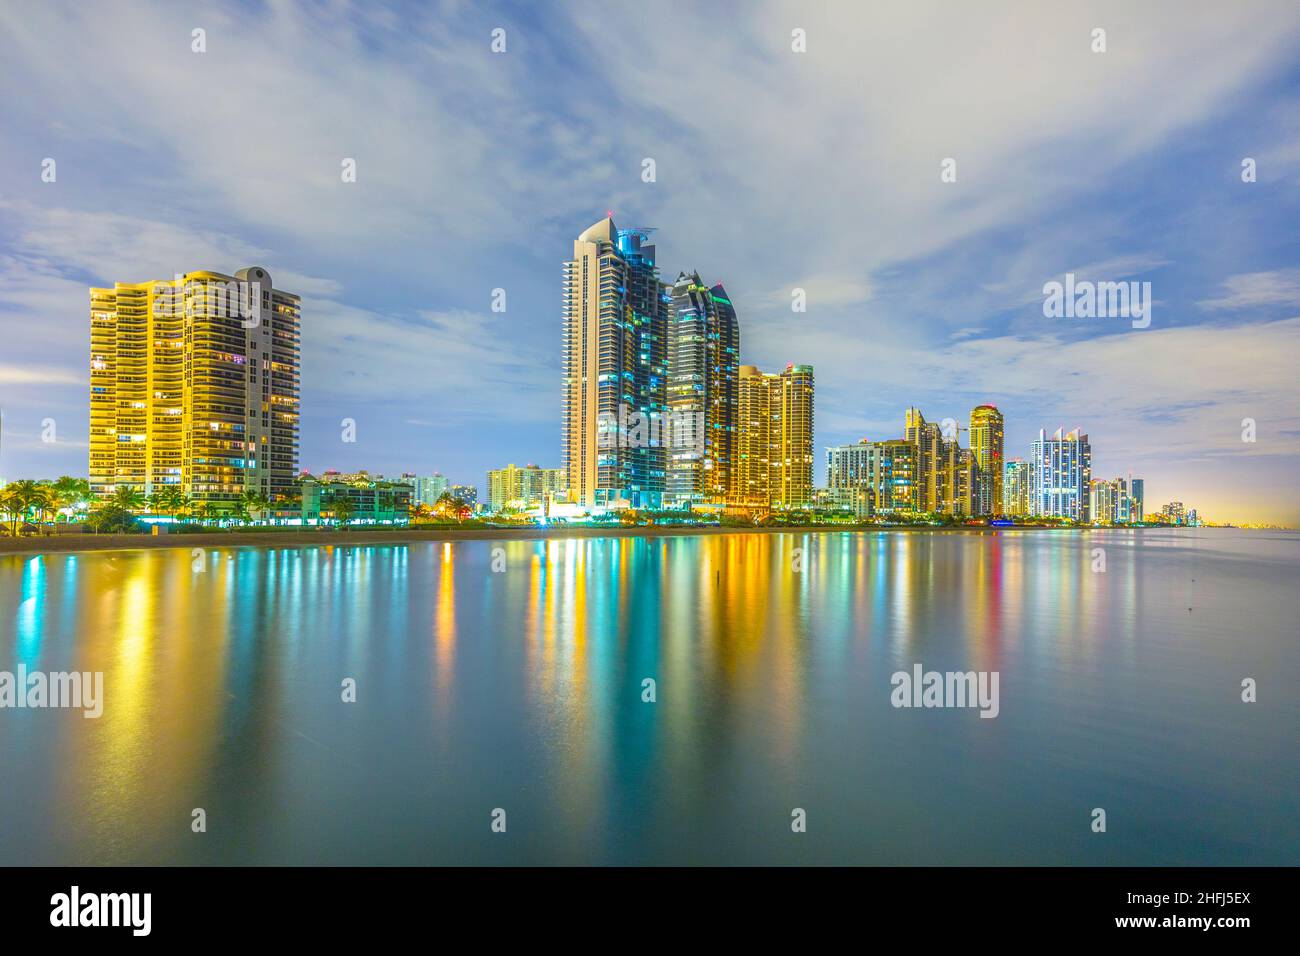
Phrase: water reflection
[512,674]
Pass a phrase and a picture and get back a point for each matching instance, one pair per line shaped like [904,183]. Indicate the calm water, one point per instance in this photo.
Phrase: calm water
[522,690]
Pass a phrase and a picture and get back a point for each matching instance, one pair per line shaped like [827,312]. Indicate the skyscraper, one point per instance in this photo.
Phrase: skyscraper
[776,437]
[1060,474]
[1107,500]
[926,439]
[986,427]
[1015,488]
[194,385]
[946,480]
[703,393]
[968,484]
[1137,503]
[614,360]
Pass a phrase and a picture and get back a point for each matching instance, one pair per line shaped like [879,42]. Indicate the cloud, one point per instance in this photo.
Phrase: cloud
[459,366]
[28,375]
[1257,289]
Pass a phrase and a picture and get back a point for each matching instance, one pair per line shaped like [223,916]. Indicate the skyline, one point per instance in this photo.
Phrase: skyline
[472,176]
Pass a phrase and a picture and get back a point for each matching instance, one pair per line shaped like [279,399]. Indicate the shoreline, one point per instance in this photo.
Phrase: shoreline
[75,543]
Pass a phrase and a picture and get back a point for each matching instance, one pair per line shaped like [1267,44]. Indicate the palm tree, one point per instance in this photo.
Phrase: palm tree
[183,503]
[209,511]
[45,500]
[254,502]
[172,500]
[128,497]
[11,504]
[20,496]
[156,500]
[343,509]
[73,492]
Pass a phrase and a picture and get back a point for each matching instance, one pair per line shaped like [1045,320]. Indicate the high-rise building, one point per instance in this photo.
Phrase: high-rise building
[524,487]
[615,377]
[1108,501]
[929,454]
[1113,501]
[1060,476]
[425,489]
[986,439]
[968,484]
[1137,496]
[1015,488]
[852,472]
[947,479]
[895,487]
[703,393]
[775,459]
[756,446]
[1123,503]
[194,385]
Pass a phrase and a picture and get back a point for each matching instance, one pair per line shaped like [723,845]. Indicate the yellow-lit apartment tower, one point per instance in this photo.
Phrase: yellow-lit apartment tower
[986,427]
[931,452]
[775,438]
[194,384]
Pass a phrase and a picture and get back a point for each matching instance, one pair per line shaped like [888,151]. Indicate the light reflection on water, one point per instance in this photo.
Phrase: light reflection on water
[522,690]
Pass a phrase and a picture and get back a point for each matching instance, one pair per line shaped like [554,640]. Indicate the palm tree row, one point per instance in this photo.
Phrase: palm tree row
[21,500]
[26,501]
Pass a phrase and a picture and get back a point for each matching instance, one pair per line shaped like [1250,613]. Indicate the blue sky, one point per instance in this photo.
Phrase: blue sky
[775,170]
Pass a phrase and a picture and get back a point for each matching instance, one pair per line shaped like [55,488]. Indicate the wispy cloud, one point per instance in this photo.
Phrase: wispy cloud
[1257,289]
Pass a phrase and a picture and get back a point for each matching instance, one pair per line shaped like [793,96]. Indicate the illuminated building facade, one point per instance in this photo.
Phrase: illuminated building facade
[775,437]
[1137,499]
[522,488]
[1015,488]
[948,479]
[1060,476]
[368,501]
[986,443]
[703,393]
[872,477]
[425,489]
[614,365]
[466,493]
[1105,499]
[929,454]
[194,384]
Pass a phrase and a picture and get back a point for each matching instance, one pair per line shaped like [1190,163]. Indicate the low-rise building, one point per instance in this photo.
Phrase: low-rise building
[368,501]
